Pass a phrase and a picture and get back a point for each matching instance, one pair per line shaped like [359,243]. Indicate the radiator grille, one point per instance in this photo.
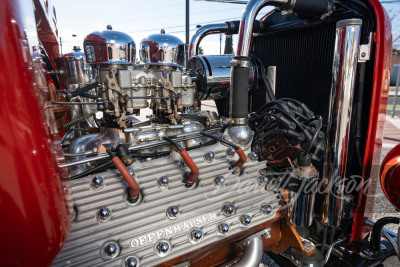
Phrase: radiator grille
[303,58]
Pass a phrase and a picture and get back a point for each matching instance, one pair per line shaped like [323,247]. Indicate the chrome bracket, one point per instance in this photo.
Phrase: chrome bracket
[365,50]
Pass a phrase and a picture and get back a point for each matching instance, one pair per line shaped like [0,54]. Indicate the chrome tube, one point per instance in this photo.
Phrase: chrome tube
[247,21]
[203,32]
[340,109]
[253,254]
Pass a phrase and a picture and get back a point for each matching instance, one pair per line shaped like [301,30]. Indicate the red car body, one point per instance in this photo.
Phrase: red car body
[34,192]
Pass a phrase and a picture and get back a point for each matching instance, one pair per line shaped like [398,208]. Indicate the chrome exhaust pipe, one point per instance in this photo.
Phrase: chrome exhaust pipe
[203,32]
[341,103]
[252,256]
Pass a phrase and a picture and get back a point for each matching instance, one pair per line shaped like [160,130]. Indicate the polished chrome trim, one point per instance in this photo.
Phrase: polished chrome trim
[340,109]
[253,254]
[179,137]
[247,21]
[203,32]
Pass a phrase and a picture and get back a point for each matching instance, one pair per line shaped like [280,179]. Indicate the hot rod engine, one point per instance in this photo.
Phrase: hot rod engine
[186,180]
[157,179]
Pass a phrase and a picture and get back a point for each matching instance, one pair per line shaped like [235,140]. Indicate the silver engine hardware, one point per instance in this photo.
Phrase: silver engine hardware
[162,51]
[73,70]
[109,47]
[87,146]
[126,88]
[140,229]
[212,75]
[345,60]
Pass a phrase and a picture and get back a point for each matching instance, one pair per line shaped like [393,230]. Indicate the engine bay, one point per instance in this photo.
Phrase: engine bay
[159,179]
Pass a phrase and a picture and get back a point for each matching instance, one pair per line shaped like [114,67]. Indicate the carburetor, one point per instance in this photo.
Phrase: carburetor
[163,56]
[126,86]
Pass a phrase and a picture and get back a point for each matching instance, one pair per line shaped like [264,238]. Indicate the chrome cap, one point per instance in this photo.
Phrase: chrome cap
[172,212]
[162,51]
[228,209]
[245,220]
[223,228]
[196,235]
[131,262]
[109,47]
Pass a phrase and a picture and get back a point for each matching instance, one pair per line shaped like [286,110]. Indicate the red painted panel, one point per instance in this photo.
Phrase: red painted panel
[390,176]
[377,115]
[35,217]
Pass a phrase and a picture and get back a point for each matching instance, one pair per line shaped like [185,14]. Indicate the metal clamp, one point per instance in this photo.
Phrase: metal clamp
[365,50]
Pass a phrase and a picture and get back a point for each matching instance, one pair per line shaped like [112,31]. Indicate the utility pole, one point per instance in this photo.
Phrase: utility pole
[220,44]
[187,25]
[61,46]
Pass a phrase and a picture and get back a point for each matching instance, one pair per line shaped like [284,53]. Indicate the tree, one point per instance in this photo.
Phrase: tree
[228,45]
[201,52]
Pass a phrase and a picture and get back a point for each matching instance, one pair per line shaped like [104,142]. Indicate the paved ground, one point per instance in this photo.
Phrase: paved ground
[391,137]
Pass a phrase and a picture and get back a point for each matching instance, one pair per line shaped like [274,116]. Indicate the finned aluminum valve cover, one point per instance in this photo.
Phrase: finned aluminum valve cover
[171,220]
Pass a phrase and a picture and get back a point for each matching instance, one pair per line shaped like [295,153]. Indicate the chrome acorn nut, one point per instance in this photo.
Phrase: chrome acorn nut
[245,220]
[196,235]
[219,181]
[104,214]
[162,248]
[209,157]
[172,212]
[228,209]
[110,250]
[97,181]
[163,181]
[131,262]
[230,152]
[266,209]
[223,228]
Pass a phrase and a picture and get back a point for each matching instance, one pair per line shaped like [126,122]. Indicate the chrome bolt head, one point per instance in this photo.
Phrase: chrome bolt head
[209,157]
[110,249]
[131,262]
[262,180]
[97,181]
[173,212]
[253,156]
[223,228]
[230,152]
[163,181]
[266,209]
[219,181]
[308,245]
[228,209]
[103,214]
[267,233]
[245,220]
[196,235]
[162,247]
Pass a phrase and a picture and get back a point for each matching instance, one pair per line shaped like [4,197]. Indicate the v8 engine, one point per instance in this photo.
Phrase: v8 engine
[175,158]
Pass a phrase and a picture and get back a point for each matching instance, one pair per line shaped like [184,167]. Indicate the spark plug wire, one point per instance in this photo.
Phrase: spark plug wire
[194,171]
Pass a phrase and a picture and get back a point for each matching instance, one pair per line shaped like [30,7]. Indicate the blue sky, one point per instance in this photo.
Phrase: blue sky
[140,18]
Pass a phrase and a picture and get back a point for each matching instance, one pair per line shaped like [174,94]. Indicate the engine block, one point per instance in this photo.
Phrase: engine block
[171,220]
